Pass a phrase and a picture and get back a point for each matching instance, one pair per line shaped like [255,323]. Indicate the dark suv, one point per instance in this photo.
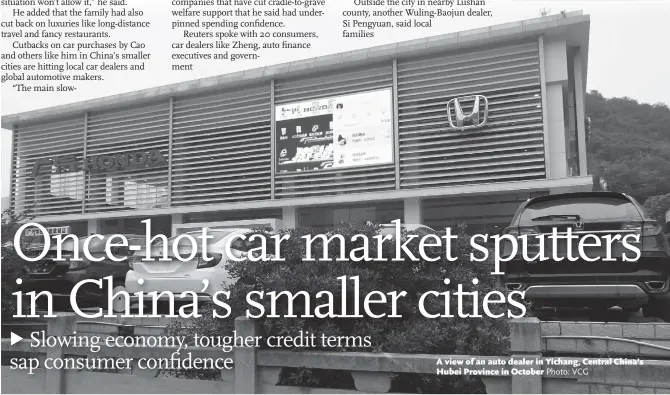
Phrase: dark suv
[583,283]
[60,277]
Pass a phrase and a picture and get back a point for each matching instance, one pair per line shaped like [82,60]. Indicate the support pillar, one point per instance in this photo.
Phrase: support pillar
[580,92]
[554,71]
[93,227]
[177,219]
[289,217]
[413,211]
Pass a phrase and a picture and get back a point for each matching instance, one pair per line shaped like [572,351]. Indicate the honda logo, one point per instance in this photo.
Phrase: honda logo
[459,120]
[578,226]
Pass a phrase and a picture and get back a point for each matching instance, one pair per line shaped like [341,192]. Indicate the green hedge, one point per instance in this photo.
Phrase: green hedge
[413,333]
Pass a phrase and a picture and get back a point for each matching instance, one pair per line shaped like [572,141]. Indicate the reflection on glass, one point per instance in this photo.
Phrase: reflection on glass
[67,185]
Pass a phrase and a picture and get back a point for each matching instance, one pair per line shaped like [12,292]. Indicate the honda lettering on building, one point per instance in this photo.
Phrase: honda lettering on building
[475,118]
[99,163]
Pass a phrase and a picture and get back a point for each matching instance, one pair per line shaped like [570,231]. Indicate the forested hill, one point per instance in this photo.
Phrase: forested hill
[629,145]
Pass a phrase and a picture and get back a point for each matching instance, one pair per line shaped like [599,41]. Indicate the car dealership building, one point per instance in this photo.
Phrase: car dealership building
[457,128]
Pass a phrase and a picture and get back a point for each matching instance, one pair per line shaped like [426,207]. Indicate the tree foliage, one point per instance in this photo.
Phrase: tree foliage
[629,145]
[413,333]
[12,264]
[657,206]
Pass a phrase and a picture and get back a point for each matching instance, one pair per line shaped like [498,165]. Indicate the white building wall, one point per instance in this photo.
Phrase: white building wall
[555,68]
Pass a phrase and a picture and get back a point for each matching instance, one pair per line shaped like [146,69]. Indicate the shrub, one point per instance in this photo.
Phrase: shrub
[413,333]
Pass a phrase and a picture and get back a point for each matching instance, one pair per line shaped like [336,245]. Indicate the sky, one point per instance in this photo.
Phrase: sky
[625,58]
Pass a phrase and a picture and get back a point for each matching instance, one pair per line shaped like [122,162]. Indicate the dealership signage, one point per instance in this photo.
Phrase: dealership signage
[58,230]
[477,116]
[335,132]
[100,163]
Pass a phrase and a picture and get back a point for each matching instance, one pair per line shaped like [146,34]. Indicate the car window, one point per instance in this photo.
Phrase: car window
[587,208]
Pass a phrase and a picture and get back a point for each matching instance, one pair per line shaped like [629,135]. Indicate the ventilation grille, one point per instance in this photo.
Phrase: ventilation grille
[344,83]
[135,130]
[222,148]
[509,147]
[49,193]
[340,181]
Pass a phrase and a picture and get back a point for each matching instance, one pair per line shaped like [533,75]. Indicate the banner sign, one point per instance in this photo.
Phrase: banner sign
[58,230]
[335,132]
[99,163]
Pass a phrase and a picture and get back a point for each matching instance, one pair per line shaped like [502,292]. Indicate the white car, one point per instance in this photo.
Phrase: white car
[178,276]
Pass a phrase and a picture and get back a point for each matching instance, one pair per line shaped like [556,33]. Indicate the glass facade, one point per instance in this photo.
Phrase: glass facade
[237,215]
[217,147]
[485,214]
[159,225]
[323,217]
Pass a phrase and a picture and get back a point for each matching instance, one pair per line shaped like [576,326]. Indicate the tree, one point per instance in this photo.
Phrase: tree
[412,333]
[12,264]
[657,206]
[629,145]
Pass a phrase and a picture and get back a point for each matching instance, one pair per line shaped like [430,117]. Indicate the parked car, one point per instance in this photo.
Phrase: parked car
[600,284]
[60,277]
[176,276]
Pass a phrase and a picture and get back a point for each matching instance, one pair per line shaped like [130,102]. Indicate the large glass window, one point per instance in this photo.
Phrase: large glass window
[159,225]
[324,217]
[238,215]
[143,195]
[68,185]
[486,214]
[130,193]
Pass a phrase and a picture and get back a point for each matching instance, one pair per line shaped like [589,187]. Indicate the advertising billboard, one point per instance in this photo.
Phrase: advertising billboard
[335,132]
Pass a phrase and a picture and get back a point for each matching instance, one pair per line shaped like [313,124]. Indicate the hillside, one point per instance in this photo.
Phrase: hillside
[629,145]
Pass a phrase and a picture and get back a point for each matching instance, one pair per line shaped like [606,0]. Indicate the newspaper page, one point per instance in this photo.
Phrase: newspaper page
[335,196]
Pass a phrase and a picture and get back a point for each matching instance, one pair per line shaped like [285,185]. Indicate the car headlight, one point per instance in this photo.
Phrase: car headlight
[215,259]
